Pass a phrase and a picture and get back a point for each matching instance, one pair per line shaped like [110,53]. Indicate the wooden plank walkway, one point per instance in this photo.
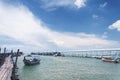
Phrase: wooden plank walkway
[6,69]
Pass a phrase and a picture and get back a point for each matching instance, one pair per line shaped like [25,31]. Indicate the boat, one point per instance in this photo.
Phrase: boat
[30,60]
[116,60]
[107,57]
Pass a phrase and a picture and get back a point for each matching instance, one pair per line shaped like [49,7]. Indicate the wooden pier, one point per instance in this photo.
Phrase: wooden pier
[6,69]
[8,66]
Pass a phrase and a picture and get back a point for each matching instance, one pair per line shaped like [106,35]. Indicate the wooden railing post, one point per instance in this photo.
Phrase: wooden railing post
[0,49]
[14,76]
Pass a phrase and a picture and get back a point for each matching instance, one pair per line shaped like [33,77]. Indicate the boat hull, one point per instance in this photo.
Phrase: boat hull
[109,60]
[28,62]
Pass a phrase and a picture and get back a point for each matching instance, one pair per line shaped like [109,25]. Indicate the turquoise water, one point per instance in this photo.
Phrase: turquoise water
[69,68]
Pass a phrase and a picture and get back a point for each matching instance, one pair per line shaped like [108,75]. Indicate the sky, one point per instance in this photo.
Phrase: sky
[59,25]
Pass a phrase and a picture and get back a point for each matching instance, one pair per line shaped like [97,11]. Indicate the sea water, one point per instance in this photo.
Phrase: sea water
[69,68]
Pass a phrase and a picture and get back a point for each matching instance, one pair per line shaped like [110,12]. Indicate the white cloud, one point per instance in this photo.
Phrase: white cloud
[19,23]
[72,41]
[104,35]
[115,25]
[79,3]
[54,4]
[95,16]
[103,5]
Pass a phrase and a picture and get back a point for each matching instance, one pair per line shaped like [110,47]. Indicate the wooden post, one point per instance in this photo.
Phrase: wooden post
[4,54]
[0,49]
[14,76]
[11,51]
[16,58]
[4,50]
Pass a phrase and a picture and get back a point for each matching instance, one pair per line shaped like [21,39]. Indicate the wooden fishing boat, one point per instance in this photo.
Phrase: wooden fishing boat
[116,60]
[29,60]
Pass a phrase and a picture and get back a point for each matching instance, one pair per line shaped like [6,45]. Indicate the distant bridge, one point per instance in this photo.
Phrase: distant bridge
[97,52]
